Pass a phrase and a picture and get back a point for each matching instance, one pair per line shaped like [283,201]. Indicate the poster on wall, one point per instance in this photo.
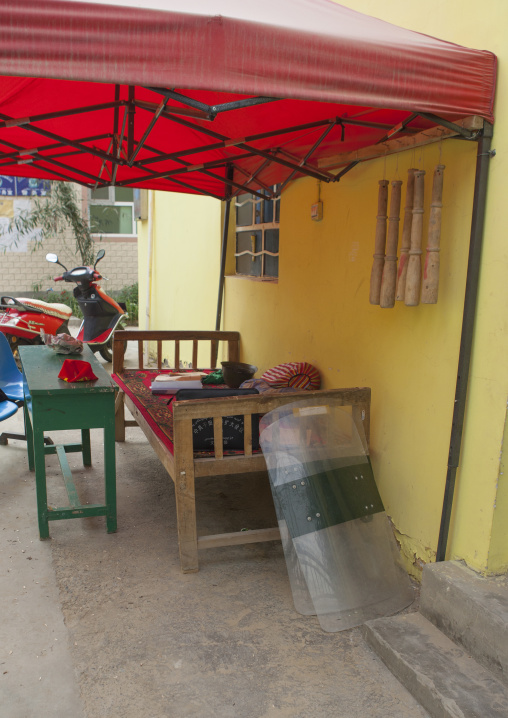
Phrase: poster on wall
[11,241]
[15,194]
[23,187]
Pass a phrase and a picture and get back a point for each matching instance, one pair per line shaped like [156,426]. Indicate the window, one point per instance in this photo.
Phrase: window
[112,210]
[257,235]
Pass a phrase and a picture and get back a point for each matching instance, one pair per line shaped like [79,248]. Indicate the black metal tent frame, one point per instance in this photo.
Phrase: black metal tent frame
[118,155]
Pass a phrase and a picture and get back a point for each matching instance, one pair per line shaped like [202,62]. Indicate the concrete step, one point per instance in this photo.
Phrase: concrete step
[471,610]
[442,676]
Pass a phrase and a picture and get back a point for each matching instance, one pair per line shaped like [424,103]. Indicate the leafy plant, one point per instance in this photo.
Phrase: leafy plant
[53,215]
[130,296]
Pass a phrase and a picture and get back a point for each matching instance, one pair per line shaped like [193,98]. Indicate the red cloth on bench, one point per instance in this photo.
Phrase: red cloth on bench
[136,383]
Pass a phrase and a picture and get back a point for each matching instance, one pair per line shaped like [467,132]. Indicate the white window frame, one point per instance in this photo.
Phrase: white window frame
[262,227]
[110,202]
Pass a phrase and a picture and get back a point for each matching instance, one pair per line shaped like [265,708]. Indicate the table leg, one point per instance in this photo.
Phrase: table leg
[29,438]
[85,442]
[110,476]
[120,417]
[40,482]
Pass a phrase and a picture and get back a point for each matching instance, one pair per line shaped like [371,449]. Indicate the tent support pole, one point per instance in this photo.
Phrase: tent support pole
[466,342]
[227,210]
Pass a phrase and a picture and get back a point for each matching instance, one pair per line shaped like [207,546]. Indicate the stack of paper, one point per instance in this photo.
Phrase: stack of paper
[171,383]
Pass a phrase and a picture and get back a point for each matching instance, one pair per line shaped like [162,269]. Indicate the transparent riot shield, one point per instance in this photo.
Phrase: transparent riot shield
[340,551]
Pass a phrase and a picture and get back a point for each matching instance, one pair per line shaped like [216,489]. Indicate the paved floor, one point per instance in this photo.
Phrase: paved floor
[100,625]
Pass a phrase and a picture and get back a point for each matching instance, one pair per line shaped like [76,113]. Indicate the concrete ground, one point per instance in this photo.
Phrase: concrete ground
[100,625]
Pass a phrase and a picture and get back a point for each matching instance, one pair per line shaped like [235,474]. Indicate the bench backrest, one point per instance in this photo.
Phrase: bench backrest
[176,337]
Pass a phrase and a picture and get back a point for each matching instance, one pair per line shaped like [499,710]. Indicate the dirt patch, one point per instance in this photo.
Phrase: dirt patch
[150,642]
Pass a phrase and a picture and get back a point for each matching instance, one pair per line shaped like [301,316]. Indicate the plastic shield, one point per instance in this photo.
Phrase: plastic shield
[339,547]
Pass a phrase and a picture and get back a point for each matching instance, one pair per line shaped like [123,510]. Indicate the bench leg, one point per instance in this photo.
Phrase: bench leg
[186,520]
[120,417]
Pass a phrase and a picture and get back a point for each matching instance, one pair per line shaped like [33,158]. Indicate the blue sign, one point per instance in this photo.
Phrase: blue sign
[7,186]
[23,187]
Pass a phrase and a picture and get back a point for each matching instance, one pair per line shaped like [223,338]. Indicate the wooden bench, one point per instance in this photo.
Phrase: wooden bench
[182,464]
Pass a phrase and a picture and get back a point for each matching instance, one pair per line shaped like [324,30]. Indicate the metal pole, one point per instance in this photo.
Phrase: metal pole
[229,176]
[148,308]
[473,270]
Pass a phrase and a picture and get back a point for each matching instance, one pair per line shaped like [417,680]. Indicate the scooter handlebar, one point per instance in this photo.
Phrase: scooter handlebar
[58,279]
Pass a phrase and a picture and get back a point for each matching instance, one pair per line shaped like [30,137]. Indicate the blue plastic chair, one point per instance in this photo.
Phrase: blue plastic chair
[11,390]
[7,409]
[11,379]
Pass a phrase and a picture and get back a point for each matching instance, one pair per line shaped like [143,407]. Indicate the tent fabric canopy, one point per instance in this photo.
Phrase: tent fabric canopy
[140,96]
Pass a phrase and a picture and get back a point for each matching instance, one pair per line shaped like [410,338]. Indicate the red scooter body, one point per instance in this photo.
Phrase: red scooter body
[23,319]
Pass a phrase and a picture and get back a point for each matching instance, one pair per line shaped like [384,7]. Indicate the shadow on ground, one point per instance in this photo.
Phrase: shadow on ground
[138,638]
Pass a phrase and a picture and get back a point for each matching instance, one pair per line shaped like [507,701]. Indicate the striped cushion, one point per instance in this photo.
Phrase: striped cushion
[298,375]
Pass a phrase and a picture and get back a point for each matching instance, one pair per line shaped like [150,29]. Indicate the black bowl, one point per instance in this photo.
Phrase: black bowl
[235,372]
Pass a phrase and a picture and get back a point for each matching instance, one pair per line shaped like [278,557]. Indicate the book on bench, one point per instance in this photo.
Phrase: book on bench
[171,383]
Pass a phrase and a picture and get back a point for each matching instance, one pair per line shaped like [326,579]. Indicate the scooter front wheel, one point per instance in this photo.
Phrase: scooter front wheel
[106,351]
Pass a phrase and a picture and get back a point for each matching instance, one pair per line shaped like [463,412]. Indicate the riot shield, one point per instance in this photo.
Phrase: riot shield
[340,550]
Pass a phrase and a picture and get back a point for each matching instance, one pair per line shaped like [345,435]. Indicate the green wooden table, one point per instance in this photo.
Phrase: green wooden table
[53,405]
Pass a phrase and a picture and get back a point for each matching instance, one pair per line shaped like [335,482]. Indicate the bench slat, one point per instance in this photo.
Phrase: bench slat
[217,438]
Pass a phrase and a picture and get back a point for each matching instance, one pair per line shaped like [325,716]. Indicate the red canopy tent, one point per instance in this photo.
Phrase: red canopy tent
[219,97]
[166,95]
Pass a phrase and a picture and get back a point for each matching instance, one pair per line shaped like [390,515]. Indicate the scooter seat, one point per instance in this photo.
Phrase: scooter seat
[62,311]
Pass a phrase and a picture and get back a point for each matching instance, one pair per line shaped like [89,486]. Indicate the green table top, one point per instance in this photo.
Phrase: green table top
[41,366]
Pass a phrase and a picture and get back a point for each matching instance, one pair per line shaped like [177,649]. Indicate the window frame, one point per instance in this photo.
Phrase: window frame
[111,202]
[262,227]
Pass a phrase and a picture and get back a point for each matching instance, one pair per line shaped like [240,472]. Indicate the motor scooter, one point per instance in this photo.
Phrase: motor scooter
[101,313]
[23,319]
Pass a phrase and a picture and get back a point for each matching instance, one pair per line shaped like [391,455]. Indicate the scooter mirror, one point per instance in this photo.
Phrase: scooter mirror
[100,255]
[54,258]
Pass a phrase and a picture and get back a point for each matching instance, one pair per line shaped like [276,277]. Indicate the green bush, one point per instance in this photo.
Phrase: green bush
[130,296]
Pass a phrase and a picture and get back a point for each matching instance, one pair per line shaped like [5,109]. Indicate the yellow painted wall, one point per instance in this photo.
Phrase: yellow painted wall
[472,536]
[185,263]
[319,312]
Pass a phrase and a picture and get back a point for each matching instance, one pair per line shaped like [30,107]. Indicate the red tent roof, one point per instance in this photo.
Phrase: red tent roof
[152,77]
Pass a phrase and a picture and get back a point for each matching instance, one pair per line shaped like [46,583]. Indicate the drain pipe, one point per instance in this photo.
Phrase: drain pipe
[483,157]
